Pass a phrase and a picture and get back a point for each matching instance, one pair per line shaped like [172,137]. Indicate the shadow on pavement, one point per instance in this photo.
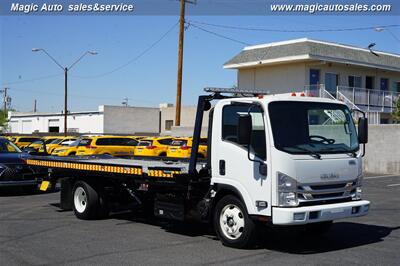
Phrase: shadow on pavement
[22,191]
[342,235]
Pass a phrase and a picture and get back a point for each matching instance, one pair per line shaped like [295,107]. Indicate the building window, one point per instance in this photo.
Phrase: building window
[370,82]
[397,86]
[169,124]
[331,82]
[354,81]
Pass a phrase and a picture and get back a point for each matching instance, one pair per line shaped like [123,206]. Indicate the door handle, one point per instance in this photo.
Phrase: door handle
[222,167]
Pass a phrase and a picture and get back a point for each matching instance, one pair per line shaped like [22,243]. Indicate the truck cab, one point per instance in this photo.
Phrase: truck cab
[287,159]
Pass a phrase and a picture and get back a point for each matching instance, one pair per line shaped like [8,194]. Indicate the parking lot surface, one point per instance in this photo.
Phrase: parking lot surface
[33,231]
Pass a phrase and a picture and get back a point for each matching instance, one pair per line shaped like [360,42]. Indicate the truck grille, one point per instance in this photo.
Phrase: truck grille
[309,194]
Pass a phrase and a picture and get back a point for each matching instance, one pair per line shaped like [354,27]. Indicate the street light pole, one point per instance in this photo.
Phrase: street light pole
[65,69]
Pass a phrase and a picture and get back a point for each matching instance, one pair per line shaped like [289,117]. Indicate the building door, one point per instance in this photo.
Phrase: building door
[331,82]
[314,76]
[54,125]
[369,82]
[384,84]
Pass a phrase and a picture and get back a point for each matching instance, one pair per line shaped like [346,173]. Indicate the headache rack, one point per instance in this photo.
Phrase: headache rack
[238,91]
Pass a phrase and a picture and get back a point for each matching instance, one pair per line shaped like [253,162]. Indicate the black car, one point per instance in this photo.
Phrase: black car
[14,172]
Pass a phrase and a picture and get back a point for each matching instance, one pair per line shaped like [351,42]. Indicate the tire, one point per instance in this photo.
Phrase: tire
[318,229]
[87,203]
[163,154]
[231,214]
[72,154]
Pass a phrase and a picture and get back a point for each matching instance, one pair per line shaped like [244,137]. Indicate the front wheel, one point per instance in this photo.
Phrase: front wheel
[232,223]
[88,204]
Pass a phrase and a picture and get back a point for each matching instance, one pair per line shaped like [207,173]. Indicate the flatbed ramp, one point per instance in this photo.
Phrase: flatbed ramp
[138,167]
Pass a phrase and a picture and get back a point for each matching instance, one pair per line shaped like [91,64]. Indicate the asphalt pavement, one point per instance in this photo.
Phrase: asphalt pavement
[33,231]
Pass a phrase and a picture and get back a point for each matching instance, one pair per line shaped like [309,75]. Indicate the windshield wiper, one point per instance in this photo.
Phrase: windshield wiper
[348,152]
[309,152]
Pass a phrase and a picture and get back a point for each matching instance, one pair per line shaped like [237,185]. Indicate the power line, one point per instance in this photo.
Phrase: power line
[393,35]
[218,34]
[145,51]
[192,22]
[102,74]
[31,80]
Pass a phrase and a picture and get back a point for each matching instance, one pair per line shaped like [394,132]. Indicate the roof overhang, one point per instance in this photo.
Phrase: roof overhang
[304,58]
[274,61]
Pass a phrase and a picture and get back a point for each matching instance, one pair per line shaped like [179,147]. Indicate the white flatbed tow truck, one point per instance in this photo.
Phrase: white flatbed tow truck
[272,160]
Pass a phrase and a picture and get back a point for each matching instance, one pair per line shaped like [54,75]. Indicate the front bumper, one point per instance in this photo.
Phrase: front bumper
[319,213]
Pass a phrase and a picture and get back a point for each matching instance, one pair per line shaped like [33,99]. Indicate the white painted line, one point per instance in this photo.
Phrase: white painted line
[393,185]
[380,176]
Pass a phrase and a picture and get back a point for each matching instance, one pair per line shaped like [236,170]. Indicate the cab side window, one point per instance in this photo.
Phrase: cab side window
[230,117]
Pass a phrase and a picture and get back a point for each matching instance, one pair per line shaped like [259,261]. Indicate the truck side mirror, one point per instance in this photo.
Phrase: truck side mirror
[363,130]
[244,128]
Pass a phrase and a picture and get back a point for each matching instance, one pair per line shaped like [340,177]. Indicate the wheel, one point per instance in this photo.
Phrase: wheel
[72,154]
[163,154]
[318,229]
[87,204]
[232,223]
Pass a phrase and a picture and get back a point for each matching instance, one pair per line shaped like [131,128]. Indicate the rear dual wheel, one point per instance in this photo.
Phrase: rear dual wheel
[88,203]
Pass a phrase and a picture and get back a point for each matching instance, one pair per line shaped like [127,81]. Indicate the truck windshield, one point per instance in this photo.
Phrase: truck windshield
[312,128]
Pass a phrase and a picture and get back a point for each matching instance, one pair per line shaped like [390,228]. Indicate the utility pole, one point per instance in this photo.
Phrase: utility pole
[65,100]
[180,62]
[5,102]
[34,106]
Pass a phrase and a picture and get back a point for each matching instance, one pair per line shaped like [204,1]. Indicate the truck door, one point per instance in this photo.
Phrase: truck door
[230,163]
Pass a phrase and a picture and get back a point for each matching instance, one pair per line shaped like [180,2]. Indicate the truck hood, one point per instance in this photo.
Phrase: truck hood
[328,169]
[306,169]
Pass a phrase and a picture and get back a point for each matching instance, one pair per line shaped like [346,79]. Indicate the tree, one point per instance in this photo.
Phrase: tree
[3,120]
[396,112]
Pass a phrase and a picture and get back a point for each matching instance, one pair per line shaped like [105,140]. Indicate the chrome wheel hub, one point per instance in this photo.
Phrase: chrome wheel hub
[231,221]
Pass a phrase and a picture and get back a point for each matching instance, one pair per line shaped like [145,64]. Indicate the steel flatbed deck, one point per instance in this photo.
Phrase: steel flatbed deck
[106,164]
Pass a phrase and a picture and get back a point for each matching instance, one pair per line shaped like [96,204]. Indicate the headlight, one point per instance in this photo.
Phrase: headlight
[358,193]
[287,187]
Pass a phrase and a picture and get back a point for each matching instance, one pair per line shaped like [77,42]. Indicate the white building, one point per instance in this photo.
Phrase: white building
[107,120]
[369,80]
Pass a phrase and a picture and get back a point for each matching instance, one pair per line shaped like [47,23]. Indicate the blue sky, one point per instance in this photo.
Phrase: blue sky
[151,79]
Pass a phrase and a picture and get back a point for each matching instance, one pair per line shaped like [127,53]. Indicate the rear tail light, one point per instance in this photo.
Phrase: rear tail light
[151,147]
[90,147]
[185,147]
